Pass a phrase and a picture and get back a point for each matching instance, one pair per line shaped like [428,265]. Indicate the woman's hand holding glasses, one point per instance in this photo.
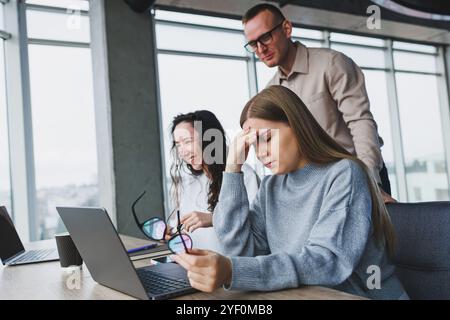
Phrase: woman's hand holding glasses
[195,220]
[206,270]
[158,230]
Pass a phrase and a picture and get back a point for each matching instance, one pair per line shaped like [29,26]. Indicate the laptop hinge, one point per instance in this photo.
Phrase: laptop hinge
[13,257]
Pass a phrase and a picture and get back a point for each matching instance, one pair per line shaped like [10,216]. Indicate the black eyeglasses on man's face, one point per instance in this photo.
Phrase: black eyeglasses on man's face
[265,39]
[155,229]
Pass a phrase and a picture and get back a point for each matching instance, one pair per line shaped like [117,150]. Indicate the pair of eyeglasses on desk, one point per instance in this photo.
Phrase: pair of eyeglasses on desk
[156,229]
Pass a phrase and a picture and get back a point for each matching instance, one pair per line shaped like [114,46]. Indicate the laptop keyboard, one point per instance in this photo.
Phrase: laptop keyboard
[34,255]
[156,283]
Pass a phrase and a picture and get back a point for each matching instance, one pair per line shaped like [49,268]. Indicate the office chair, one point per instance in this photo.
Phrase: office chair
[422,256]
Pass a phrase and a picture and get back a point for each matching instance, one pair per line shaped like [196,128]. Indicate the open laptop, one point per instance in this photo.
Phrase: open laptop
[105,256]
[12,251]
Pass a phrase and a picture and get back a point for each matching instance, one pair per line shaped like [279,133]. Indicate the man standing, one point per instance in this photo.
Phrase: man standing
[329,83]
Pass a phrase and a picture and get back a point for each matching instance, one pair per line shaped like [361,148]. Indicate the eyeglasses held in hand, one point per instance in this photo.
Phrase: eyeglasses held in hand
[156,228]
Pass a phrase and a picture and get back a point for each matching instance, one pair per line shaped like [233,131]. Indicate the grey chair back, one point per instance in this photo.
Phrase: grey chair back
[422,255]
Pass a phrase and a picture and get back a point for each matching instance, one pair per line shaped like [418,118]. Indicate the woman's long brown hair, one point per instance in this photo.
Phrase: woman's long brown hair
[278,103]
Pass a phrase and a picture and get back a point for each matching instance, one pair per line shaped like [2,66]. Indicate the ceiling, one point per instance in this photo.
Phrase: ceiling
[343,15]
[359,7]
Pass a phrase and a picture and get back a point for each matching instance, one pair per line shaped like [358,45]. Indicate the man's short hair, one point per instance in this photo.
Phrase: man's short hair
[254,11]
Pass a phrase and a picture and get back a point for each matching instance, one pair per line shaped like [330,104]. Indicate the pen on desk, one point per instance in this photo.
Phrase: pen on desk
[153,245]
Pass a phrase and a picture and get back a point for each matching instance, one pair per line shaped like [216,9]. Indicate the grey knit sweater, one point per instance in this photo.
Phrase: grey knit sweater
[308,227]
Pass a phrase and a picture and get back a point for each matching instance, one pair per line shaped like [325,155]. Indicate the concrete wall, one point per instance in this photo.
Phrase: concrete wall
[128,130]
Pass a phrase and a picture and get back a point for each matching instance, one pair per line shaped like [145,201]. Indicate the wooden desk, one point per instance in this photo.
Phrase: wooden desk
[48,281]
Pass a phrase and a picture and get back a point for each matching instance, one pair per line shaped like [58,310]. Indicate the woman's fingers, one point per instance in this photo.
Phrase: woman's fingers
[199,252]
[185,264]
[189,223]
[245,140]
[197,257]
[205,269]
[249,137]
[197,277]
[197,220]
[195,261]
[194,223]
[186,217]
[206,281]
[238,150]
[194,226]
[200,286]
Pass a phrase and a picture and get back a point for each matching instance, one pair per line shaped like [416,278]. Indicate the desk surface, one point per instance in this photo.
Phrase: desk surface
[48,281]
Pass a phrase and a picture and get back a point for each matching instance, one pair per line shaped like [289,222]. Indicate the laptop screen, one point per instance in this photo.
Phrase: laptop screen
[10,243]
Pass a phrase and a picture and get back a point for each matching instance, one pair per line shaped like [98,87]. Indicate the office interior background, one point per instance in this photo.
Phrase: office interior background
[72,133]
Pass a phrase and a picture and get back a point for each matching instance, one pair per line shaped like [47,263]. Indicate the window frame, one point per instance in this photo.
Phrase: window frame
[4,36]
[390,70]
[22,171]
[20,125]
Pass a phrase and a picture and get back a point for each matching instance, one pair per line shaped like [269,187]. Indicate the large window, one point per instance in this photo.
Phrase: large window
[205,60]
[2,24]
[423,145]
[369,54]
[213,71]
[5,181]
[196,76]
[379,105]
[62,105]
[206,66]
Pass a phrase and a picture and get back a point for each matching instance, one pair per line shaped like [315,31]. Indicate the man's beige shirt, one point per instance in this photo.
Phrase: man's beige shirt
[332,87]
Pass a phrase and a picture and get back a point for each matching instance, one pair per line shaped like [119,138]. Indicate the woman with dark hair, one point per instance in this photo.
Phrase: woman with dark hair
[318,220]
[199,154]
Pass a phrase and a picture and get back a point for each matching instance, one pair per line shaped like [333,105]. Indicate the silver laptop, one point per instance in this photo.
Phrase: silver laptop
[12,251]
[105,256]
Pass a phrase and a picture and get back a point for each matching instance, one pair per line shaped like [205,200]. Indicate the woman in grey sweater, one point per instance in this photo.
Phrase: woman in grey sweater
[318,220]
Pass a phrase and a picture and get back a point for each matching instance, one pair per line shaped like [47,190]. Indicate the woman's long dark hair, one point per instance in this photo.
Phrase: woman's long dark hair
[213,171]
